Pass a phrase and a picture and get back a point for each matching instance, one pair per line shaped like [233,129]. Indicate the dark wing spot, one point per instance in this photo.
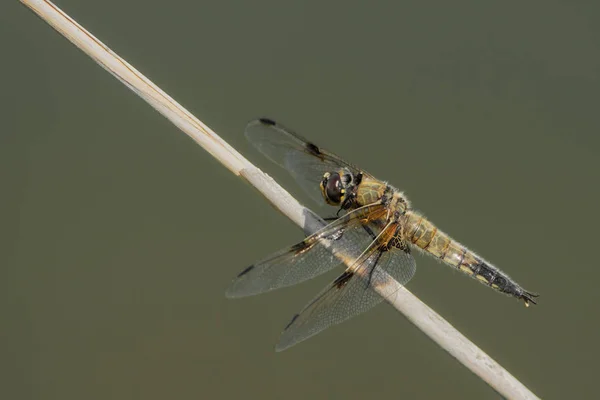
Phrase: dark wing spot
[245,271]
[301,247]
[369,231]
[343,279]
[294,318]
[313,149]
[267,121]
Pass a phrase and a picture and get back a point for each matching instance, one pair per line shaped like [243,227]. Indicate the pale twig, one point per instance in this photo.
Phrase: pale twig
[416,311]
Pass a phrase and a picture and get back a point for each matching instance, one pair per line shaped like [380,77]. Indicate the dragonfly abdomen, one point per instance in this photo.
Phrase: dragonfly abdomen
[425,235]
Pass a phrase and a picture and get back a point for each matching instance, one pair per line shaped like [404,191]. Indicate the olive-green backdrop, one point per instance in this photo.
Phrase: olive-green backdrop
[119,235]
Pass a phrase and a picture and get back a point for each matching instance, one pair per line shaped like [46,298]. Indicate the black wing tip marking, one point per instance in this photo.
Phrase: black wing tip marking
[313,149]
[267,121]
[245,271]
[294,318]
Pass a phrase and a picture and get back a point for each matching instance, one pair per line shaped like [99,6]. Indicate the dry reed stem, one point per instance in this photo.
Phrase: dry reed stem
[432,324]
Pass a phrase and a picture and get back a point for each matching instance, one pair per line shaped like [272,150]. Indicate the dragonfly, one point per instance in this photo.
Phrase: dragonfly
[372,235]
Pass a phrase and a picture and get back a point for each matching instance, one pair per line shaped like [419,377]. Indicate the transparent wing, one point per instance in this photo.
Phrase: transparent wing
[353,292]
[315,255]
[306,162]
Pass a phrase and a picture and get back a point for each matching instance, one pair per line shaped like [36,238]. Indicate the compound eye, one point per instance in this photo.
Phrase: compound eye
[333,189]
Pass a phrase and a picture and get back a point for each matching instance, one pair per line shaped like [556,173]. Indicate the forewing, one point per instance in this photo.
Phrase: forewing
[315,255]
[305,161]
[352,293]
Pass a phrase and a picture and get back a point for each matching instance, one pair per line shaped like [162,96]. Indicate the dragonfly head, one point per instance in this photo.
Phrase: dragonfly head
[335,187]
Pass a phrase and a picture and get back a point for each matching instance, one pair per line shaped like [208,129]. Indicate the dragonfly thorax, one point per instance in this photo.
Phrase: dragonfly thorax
[370,191]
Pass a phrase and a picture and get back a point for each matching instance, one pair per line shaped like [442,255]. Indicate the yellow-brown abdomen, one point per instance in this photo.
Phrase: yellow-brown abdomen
[425,235]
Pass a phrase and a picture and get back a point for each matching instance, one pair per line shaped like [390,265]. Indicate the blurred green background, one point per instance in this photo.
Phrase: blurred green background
[119,235]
